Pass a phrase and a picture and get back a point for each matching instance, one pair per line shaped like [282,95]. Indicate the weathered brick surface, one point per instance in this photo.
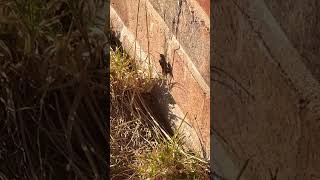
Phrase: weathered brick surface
[191,98]
[269,126]
[190,62]
[191,31]
[205,4]
[301,27]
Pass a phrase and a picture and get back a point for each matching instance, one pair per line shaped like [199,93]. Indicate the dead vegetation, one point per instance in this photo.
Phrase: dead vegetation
[53,122]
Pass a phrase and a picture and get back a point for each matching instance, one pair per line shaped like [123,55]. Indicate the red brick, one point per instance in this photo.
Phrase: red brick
[205,4]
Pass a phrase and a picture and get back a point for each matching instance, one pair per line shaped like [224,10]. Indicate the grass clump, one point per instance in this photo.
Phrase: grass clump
[141,148]
[168,160]
[128,132]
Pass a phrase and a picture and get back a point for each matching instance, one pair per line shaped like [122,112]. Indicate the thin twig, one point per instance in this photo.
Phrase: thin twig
[136,33]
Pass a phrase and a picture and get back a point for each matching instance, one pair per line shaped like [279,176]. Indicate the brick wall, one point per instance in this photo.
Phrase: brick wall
[205,5]
[267,106]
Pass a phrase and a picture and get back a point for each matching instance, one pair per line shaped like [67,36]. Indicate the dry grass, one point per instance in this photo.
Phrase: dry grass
[129,126]
[52,90]
[140,147]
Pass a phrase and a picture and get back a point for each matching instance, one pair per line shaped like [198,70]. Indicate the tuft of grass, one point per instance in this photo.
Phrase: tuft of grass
[168,160]
[140,147]
[129,127]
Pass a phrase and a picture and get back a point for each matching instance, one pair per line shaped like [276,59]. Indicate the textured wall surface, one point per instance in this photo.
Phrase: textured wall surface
[266,84]
[205,5]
